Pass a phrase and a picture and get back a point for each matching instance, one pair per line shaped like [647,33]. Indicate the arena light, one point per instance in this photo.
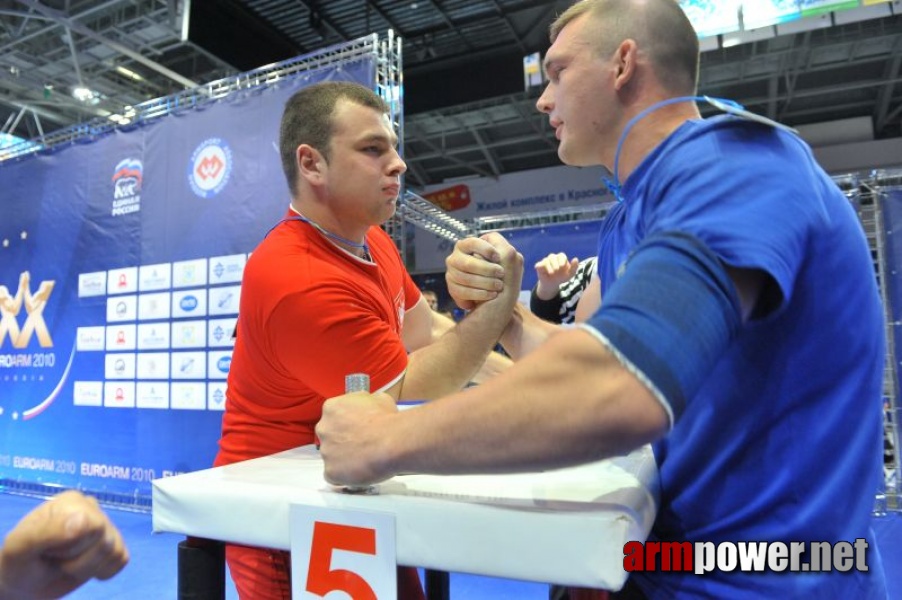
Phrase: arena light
[82,94]
[12,146]
[129,73]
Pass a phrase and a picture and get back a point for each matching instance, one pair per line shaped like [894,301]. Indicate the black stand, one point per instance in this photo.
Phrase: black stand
[438,585]
[201,568]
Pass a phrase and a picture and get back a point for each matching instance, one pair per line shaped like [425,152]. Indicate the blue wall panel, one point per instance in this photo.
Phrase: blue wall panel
[120,266]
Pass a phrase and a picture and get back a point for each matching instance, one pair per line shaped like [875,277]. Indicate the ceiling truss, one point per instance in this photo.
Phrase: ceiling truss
[131,51]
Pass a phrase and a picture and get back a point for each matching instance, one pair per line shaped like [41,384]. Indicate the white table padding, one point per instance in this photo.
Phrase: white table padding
[564,526]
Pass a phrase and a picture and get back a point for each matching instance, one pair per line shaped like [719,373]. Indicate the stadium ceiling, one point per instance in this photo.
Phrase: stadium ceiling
[467,112]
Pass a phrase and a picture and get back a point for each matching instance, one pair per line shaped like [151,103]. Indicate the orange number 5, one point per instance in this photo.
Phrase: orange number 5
[321,578]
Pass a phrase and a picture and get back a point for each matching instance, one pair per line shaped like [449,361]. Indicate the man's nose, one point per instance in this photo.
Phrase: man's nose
[544,104]
[398,166]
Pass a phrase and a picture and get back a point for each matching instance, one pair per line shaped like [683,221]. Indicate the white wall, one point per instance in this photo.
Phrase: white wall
[860,156]
[848,146]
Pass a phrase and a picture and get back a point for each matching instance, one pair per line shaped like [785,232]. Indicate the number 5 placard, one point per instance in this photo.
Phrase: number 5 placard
[342,554]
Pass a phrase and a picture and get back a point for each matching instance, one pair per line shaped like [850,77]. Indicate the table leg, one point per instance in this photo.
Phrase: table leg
[438,585]
[201,570]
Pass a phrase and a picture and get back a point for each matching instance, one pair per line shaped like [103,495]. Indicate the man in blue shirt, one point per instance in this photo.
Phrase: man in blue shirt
[740,329]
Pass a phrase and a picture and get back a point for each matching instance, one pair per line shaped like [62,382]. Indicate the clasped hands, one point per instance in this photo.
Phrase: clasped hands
[354,428]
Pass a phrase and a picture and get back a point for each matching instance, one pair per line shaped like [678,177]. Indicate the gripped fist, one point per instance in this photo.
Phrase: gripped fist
[480,268]
[473,273]
[57,547]
[349,432]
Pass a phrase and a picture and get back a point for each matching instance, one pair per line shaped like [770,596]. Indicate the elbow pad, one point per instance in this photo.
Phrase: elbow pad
[670,316]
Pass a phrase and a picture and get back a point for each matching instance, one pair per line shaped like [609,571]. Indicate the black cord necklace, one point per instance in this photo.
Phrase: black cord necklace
[333,236]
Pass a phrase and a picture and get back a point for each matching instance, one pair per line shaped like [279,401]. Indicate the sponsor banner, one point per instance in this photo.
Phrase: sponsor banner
[122,281]
[153,365]
[152,307]
[119,365]
[218,364]
[107,245]
[189,273]
[189,396]
[87,393]
[189,365]
[119,394]
[90,338]
[216,395]
[227,269]
[224,300]
[91,284]
[154,277]
[221,332]
[189,303]
[153,336]
[189,334]
[121,337]
[152,394]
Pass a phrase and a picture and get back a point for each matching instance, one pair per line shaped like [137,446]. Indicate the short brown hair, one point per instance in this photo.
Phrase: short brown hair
[660,28]
[307,119]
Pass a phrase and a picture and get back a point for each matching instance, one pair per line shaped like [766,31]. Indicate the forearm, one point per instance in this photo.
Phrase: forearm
[453,360]
[525,332]
[524,419]
[494,365]
[547,291]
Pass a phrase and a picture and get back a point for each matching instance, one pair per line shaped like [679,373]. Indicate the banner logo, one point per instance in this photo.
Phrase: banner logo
[211,165]
[127,178]
[11,306]
[449,199]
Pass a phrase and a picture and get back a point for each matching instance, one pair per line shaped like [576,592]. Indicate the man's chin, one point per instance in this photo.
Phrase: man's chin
[389,211]
[573,160]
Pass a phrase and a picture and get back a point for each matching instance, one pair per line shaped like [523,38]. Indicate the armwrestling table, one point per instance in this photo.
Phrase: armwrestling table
[565,526]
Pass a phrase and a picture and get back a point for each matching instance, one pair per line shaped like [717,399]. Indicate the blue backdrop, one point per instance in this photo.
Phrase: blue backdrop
[891,204]
[578,240]
[120,270]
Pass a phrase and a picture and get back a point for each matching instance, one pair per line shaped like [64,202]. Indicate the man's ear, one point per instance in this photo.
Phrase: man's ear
[625,57]
[311,163]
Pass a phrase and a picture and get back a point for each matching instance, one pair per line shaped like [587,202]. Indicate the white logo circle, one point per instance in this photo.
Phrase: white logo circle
[211,165]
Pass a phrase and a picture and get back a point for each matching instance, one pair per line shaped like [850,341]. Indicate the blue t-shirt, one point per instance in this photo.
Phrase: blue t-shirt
[782,441]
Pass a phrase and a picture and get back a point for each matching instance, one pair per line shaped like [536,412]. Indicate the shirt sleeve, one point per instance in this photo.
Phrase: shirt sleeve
[752,195]
[412,293]
[550,309]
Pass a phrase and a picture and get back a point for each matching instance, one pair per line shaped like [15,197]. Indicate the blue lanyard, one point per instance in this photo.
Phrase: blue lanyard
[728,106]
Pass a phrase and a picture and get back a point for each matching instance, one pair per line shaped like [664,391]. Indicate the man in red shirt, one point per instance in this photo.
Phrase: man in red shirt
[326,294]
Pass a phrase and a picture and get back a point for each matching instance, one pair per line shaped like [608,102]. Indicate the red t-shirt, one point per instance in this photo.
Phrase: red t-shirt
[310,314]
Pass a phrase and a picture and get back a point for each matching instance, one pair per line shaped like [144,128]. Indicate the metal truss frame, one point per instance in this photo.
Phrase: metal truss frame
[872,190]
[387,55]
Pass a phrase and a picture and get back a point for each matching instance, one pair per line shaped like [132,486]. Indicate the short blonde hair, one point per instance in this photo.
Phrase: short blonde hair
[659,27]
